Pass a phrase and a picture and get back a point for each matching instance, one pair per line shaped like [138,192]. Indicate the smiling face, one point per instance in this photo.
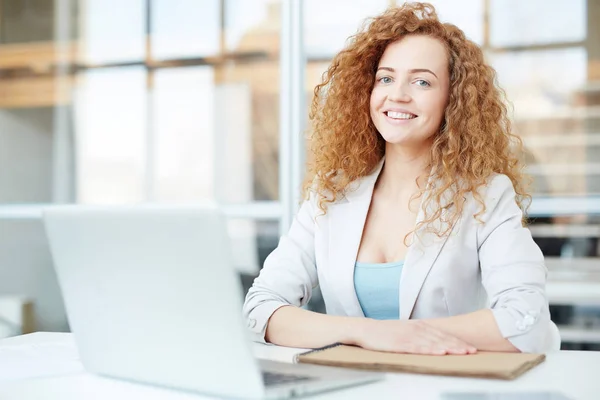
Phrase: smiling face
[411,88]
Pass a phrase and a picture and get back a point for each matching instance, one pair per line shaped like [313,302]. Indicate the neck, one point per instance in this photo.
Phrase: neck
[403,166]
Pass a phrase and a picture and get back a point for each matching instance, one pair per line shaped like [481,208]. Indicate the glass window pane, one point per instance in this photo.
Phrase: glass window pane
[34,98]
[183,123]
[247,131]
[536,90]
[185,28]
[327,24]
[204,147]
[247,103]
[549,116]
[26,157]
[26,21]
[112,31]
[252,25]
[110,138]
[234,147]
[518,23]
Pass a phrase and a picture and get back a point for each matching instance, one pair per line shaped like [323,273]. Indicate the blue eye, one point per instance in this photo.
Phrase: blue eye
[385,79]
[422,83]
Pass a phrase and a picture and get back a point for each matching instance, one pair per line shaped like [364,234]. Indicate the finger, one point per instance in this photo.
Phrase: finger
[436,345]
[440,339]
[458,346]
[452,340]
[455,345]
[439,351]
[461,344]
[445,343]
[458,351]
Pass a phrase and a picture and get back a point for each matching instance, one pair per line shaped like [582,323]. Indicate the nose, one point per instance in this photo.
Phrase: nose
[399,93]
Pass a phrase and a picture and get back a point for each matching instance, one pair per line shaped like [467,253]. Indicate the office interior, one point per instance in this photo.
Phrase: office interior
[112,102]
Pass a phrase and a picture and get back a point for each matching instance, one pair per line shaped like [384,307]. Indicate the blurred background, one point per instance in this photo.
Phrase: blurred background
[179,101]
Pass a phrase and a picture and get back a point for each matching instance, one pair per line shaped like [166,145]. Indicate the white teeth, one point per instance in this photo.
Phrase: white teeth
[399,115]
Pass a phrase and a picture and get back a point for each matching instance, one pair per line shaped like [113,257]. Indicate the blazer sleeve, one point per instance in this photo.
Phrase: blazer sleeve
[513,270]
[288,276]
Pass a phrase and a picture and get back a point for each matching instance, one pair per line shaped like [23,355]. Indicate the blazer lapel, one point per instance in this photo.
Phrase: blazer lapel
[346,222]
[347,219]
[421,256]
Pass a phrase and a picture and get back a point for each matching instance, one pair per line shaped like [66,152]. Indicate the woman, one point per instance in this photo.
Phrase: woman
[412,226]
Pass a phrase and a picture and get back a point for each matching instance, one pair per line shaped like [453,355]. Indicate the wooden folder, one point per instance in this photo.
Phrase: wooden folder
[479,365]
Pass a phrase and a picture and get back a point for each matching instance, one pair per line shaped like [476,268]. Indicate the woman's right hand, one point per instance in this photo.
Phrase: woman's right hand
[409,336]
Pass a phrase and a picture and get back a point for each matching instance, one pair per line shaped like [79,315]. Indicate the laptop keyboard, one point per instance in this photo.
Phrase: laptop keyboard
[273,378]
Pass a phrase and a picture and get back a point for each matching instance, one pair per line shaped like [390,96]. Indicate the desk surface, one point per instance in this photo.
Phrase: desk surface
[27,363]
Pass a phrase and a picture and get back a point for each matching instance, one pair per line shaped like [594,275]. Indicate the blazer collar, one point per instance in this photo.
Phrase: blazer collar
[347,219]
[362,189]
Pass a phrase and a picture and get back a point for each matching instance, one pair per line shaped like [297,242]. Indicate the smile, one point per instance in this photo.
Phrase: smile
[398,118]
[399,115]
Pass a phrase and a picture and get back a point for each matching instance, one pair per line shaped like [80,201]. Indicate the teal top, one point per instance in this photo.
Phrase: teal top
[378,289]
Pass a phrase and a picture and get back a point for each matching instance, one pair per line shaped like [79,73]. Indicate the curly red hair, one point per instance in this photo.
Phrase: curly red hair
[474,140]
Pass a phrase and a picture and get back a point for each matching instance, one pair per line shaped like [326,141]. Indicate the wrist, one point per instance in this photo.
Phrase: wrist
[357,329]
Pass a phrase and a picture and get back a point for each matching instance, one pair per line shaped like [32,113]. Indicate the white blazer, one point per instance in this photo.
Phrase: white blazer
[495,265]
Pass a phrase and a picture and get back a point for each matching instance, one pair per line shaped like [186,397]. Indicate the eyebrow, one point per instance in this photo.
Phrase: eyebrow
[411,71]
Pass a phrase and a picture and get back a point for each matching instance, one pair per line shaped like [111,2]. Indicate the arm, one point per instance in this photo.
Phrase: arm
[295,327]
[288,276]
[273,303]
[273,313]
[513,274]
[478,328]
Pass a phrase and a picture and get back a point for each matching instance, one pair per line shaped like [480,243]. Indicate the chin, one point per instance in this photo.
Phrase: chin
[406,138]
[405,141]
[396,138]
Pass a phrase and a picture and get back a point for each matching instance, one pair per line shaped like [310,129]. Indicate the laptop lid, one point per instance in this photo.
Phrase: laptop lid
[151,296]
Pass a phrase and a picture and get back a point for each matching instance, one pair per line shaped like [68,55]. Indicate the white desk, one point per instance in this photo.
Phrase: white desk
[576,374]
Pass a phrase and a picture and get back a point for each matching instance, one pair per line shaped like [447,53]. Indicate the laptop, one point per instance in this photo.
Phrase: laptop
[152,296]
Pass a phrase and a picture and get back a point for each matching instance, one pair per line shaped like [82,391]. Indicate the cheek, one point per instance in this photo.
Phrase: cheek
[438,107]
[373,102]
[444,102]
[376,100]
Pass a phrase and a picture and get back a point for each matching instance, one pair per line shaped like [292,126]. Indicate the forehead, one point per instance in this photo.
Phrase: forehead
[416,51]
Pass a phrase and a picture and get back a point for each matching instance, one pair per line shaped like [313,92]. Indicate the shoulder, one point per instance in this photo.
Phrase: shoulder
[499,201]
[495,187]
[499,182]
[497,192]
